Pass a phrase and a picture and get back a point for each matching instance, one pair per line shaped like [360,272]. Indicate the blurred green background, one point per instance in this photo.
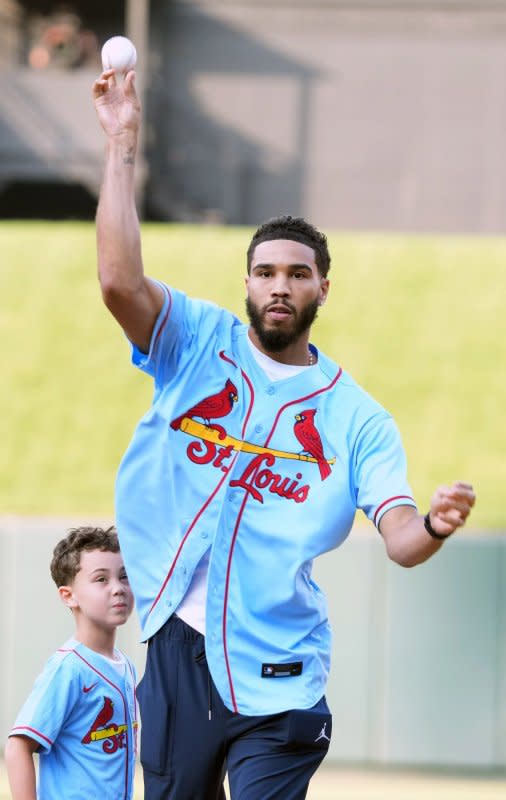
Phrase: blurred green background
[417,320]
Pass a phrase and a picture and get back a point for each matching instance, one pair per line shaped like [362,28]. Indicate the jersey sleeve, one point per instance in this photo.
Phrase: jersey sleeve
[54,694]
[181,324]
[380,469]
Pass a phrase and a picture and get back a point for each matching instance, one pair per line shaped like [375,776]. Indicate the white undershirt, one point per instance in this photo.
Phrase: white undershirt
[118,661]
[275,370]
[192,608]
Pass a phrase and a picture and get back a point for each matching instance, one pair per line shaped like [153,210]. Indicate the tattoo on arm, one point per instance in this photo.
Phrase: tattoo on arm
[129,156]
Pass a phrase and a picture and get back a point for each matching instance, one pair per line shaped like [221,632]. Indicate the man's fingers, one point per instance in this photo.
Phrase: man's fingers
[129,88]
[99,88]
[450,518]
[110,76]
[451,505]
[463,485]
[458,502]
[458,493]
[465,490]
[453,517]
[106,81]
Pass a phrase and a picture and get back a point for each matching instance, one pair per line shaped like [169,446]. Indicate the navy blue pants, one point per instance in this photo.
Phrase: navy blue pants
[185,755]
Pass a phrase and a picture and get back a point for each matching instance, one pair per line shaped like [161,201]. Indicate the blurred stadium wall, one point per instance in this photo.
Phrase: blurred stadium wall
[419,656]
[364,114]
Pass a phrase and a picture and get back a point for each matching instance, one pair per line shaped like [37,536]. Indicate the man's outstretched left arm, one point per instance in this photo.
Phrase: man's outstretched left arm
[412,538]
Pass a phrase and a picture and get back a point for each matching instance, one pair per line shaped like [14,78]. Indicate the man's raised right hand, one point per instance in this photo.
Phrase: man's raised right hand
[117,105]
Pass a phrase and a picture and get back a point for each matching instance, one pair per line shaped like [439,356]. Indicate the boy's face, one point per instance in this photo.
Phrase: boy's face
[100,595]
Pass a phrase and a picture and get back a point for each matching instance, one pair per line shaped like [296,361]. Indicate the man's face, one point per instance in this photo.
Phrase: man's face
[284,291]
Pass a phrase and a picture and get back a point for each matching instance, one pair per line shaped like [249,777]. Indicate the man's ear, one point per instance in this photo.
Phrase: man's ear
[67,596]
[324,290]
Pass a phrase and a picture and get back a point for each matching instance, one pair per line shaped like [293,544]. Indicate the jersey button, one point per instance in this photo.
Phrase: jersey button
[258,428]
[204,534]
[270,390]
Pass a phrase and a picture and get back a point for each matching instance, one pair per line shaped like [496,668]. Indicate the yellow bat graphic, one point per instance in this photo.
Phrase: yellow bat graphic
[193,428]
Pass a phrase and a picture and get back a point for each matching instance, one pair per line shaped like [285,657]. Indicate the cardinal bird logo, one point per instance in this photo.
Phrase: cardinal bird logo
[103,717]
[212,407]
[307,434]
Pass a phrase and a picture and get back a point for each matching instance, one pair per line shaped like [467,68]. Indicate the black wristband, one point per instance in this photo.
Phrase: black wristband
[430,530]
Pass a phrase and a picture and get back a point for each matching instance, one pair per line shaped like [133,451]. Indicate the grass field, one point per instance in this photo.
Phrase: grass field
[347,784]
[418,321]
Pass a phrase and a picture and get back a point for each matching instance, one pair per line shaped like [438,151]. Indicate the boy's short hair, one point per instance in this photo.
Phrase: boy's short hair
[66,561]
[298,230]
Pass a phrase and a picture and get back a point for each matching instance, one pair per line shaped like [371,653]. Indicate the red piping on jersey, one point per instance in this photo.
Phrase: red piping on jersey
[134,734]
[213,494]
[390,500]
[302,400]
[236,529]
[32,730]
[185,537]
[250,387]
[63,650]
[225,602]
[234,536]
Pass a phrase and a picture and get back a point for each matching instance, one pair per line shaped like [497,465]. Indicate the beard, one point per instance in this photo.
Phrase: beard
[275,340]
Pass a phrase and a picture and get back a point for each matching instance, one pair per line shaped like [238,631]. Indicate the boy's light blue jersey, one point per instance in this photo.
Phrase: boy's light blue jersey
[83,714]
[266,476]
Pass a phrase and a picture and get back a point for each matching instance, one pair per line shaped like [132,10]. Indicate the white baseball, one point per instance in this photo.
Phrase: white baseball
[119,53]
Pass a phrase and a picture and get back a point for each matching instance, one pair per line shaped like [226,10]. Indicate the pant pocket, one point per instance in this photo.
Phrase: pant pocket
[157,702]
[310,728]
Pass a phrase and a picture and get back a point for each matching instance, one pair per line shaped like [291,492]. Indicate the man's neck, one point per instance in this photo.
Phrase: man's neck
[297,353]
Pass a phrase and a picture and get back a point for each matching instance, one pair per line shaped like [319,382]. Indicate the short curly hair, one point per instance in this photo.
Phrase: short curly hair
[66,561]
[296,229]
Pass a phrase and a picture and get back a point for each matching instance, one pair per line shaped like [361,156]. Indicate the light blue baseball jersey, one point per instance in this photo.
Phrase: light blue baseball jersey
[83,714]
[266,476]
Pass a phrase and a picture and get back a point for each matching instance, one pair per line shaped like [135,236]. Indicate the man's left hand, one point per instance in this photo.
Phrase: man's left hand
[450,507]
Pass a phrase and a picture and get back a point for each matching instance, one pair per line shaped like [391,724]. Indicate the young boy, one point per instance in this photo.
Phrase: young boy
[81,715]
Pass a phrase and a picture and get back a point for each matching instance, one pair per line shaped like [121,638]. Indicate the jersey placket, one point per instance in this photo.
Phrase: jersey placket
[219,632]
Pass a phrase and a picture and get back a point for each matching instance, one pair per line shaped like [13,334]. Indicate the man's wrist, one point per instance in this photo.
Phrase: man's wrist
[430,530]
[123,141]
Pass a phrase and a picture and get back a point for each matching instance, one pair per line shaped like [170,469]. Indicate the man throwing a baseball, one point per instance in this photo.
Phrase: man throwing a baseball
[252,461]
